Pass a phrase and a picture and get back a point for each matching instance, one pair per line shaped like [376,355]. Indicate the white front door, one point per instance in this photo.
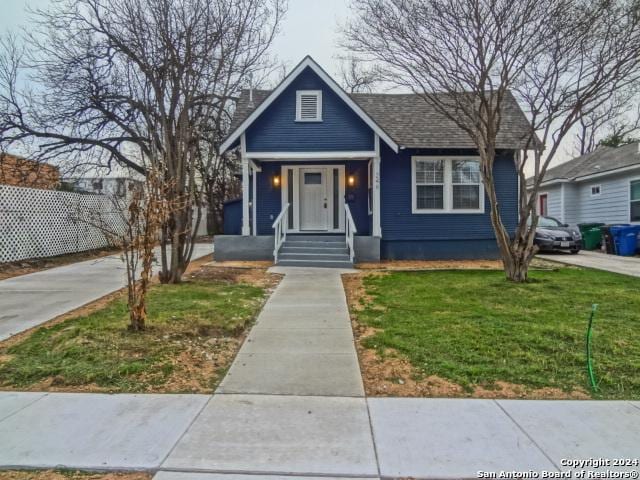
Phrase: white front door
[314,206]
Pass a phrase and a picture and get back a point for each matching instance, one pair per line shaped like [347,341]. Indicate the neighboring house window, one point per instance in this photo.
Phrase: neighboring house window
[370,187]
[120,188]
[446,185]
[309,106]
[595,190]
[542,204]
[635,201]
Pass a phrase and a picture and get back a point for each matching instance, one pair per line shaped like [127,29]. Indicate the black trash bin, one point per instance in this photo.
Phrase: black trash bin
[608,240]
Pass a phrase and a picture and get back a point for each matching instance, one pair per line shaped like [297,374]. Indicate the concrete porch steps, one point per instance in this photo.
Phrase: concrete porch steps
[315,251]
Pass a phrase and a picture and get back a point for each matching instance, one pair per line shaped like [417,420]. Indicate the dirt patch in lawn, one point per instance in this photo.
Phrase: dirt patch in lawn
[430,265]
[396,265]
[23,267]
[388,373]
[256,276]
[242,264]
[70,475]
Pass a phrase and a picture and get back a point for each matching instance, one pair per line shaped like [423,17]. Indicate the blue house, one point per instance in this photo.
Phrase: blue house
[330,177]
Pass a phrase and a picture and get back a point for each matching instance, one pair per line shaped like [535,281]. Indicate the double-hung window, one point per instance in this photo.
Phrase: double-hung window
[429,184]
[634,207]
[446,185]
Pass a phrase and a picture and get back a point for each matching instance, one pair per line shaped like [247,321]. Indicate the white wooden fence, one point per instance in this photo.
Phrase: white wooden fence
[44,223]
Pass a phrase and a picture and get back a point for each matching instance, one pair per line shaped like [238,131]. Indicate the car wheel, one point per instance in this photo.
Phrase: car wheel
[575,251]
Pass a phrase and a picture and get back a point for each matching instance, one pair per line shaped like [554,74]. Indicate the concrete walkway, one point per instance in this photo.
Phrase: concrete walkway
[29,300]
[293,406]
[302,343]
[600,261]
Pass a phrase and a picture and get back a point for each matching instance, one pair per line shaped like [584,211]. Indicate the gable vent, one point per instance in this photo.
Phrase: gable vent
[308,105]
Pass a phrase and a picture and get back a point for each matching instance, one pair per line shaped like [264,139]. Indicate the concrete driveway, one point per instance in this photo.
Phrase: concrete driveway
[599,261]
[28,300]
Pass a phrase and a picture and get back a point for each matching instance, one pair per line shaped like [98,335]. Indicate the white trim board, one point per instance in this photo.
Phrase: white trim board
[354,155]
[308,62]
[614,171]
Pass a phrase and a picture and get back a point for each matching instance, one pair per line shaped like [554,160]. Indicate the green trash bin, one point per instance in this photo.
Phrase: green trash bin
[591,235]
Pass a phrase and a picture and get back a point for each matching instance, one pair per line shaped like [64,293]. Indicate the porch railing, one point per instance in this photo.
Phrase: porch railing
[281,225]
[350,230]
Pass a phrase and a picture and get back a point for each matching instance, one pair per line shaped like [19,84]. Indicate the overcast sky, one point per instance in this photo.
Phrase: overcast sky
[311,27]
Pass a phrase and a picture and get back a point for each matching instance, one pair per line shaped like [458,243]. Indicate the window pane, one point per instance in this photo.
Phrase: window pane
[429,171]
[635,211]
[466,197]
[430,196]
[312,178]
[635,190]
[465,171]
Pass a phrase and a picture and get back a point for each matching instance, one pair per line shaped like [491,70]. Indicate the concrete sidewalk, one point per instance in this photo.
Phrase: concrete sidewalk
[600,261]
[29,300]
[309,436]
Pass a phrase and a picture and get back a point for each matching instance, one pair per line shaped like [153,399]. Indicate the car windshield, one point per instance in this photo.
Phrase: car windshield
[548,222]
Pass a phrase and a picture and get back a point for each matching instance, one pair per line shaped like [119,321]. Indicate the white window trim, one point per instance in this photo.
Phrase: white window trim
[318,95]
[370,187]
[631,180]
[599,187]
[448,187]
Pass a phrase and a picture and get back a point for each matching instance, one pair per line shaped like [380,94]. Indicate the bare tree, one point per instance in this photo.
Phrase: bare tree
[613,124]
[132,224]
[356,77]
[98,77]
[561,59]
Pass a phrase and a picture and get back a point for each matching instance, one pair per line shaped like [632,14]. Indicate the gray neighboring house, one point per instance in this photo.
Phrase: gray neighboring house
[601,186]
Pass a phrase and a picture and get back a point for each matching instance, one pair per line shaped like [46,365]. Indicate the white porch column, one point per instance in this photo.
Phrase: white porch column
[377,229]
[246,230]
[255,169]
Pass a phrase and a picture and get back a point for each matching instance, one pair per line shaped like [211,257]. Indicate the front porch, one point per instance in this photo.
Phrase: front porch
[320,201]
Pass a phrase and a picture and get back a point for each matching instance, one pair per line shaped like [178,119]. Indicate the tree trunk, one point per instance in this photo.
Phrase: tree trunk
[516,267]
[514,253]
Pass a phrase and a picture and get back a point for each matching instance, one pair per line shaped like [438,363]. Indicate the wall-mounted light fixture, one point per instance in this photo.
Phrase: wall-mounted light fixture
[276,180]
[351,180]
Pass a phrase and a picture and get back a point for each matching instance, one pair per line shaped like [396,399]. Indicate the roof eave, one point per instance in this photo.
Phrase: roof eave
[275,93]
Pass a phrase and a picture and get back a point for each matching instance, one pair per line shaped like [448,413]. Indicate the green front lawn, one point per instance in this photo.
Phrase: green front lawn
[193,333]
[474,328]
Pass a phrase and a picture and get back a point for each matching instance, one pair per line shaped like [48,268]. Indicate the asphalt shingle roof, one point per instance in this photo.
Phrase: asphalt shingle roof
[411,122]
[602,159]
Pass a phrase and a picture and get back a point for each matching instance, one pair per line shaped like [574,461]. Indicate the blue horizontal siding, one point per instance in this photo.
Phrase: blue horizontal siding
[399,224]
[340,130]
[232,217]
[439,250]
[269,203]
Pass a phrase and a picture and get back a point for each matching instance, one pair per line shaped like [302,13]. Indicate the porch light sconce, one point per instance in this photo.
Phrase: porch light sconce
[276,181]
[351,180]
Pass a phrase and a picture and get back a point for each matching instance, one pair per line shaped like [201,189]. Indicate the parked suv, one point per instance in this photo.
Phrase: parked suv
[554,235]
